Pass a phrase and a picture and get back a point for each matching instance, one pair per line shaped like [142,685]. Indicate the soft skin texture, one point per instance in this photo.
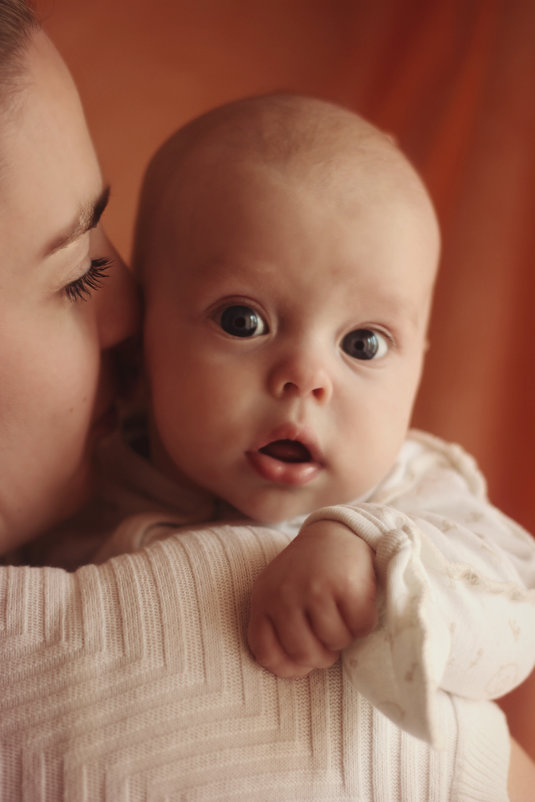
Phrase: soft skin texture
[56,384]
[316,255]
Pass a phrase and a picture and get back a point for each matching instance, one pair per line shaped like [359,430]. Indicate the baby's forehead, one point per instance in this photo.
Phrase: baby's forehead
[305,143]
[356,183]
[306,140]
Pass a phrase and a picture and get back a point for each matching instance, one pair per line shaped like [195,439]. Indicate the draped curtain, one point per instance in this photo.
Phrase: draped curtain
[453,81]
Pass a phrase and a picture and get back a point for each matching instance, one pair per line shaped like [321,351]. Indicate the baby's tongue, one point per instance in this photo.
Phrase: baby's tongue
[287,451]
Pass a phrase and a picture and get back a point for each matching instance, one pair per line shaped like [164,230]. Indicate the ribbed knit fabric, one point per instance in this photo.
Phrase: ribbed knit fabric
[456,578]
[131,682]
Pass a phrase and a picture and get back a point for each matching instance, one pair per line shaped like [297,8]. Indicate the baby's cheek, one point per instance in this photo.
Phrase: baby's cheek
[366,463]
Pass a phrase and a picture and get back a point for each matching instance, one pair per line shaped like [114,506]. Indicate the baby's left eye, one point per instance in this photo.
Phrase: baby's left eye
[365,344]
[242,321]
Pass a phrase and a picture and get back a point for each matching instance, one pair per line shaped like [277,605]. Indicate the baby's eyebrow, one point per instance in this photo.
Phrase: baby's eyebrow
[402,315]
[87,219]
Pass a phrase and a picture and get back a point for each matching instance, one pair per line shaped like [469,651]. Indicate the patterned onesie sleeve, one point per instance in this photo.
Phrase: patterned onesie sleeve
[456,588]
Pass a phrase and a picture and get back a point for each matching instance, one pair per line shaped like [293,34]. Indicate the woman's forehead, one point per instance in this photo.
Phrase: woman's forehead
[49,167]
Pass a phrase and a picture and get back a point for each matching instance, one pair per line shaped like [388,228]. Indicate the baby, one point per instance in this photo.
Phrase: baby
[287,253]
[288,267]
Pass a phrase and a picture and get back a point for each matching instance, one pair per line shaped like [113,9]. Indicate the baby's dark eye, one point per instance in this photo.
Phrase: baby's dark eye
[242,321]
[365,344]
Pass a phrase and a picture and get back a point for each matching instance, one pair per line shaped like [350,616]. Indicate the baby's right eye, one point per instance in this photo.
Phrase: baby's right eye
[242,321]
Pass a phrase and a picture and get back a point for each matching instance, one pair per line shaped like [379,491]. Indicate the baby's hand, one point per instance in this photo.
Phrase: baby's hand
[313,600]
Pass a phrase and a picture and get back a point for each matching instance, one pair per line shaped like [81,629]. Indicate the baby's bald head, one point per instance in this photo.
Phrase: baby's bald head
[305,139]
[288,252]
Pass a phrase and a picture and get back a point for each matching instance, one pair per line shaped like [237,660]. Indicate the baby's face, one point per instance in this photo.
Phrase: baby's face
[285,336]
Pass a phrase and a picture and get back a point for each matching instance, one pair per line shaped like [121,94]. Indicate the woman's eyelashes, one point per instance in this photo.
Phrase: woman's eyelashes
[240,320]
[82,288]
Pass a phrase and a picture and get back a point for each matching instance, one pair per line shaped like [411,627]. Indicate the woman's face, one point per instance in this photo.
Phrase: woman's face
[61,308]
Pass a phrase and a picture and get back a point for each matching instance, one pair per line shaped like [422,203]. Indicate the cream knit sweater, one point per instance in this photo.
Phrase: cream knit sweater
[130,682]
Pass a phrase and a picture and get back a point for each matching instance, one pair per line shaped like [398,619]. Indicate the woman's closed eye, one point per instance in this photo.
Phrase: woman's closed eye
[82,288]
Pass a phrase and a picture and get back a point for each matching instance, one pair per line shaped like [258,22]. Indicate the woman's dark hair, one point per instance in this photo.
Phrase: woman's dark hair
[18,22]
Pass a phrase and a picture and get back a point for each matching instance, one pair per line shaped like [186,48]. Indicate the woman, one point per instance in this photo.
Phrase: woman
[66,299]
[97,701]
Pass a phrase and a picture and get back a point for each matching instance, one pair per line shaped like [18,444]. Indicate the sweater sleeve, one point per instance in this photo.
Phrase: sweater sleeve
[456,580]
[131,681]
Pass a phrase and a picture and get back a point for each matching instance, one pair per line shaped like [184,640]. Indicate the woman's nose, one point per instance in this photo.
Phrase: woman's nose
[301,375]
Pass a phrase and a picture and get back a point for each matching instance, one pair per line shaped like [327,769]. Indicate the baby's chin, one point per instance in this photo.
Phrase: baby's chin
[282,505]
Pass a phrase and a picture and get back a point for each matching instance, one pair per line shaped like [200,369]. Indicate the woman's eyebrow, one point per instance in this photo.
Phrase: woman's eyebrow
[87,219]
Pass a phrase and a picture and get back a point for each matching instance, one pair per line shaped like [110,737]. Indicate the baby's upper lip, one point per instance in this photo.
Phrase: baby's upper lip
[291,443]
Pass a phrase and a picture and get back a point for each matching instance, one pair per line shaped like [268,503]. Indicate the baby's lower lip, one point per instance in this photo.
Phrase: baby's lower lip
[284,473]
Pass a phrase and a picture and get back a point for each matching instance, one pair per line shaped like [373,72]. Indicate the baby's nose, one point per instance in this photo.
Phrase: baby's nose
[301,376]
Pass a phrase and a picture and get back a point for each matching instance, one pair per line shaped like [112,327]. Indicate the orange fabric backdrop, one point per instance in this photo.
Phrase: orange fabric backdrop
[454,81]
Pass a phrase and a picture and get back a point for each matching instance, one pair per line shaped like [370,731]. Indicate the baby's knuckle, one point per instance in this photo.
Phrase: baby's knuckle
[300,655]
[339,643]
[365,622]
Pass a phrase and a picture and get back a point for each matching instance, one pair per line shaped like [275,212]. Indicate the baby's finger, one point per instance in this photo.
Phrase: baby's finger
[329,626]
[360,615]
[300,643]
[268,653]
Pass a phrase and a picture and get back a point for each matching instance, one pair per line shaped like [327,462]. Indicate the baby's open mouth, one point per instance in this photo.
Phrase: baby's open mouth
[287,460]
[287,451]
